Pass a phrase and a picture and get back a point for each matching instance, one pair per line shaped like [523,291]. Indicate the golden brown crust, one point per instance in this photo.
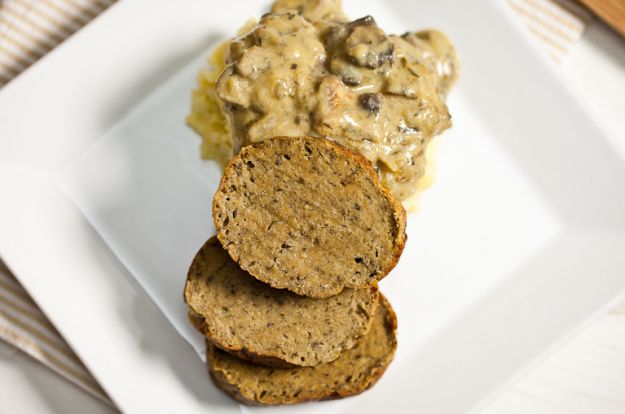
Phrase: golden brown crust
[222,381]
[399,213]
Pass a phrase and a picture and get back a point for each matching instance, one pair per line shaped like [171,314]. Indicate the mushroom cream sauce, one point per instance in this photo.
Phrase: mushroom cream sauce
[304,69]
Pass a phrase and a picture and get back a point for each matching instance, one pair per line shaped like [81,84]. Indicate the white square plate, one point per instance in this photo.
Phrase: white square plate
[520,240]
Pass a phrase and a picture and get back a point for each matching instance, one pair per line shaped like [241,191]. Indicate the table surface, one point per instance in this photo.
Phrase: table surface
[587,375]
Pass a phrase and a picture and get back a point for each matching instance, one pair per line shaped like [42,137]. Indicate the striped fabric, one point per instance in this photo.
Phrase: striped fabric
[557,24]
[23,325]
[31,28]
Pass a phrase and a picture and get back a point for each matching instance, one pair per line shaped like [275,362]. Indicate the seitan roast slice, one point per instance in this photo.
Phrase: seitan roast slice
[275,327]
[352,373]
[308,215]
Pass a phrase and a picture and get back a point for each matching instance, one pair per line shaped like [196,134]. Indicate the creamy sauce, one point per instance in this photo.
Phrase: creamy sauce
[305,70]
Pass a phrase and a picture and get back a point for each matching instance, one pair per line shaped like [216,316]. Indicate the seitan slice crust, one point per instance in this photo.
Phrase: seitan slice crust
[353,372]
[308,215]
[275,327]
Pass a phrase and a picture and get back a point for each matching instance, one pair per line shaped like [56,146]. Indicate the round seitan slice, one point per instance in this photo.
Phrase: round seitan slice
[308,215]
[275,327]
[353,372]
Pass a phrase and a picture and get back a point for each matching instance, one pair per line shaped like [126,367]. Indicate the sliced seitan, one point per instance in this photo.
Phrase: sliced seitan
[353,372]
[308,215]
[275,327]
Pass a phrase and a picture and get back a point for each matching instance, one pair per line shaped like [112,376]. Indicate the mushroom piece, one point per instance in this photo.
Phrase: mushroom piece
[371,102]
[369,47]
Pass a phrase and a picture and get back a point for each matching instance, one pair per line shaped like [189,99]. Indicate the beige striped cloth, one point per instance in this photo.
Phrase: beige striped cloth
[24,326]
[556,24]
[31,28]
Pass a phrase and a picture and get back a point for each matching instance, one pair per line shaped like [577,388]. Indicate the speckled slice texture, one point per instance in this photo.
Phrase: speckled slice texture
[275,327]
[308,215]
[353,372]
